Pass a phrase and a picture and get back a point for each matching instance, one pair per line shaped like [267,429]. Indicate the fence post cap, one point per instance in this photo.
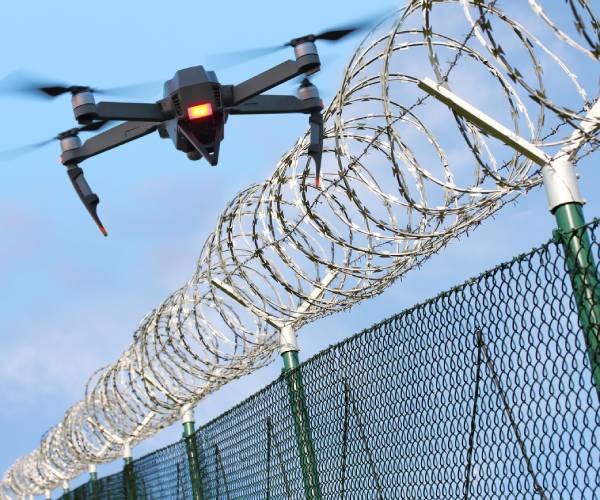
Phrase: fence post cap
[187,413]
[288,340]
[127,449]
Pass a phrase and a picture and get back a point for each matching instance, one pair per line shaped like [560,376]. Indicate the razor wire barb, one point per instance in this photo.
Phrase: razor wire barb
[397,185]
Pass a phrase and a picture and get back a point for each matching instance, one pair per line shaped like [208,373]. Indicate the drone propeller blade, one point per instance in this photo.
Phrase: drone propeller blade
[227,59]
[335,34]
[53,90]
[23,150]
[22,83]
[19,82]
[131,90]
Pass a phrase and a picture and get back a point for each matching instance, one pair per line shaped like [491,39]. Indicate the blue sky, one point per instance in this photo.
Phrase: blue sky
[71,299]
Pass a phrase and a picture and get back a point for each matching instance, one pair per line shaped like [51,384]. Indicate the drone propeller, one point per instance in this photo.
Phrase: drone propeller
[332,35]
[20,83]
[23,150]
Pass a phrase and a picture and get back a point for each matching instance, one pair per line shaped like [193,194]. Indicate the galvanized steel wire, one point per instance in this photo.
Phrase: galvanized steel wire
[398,183]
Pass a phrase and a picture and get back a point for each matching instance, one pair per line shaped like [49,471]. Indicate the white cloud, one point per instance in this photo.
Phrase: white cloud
[30,372]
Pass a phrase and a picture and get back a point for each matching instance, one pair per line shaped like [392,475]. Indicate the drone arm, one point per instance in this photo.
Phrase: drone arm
[131,111]
[271,78]
[275,104]
[116,136]
[264,81]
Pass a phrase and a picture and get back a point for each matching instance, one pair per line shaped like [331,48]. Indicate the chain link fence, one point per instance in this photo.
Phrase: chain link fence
[485,391]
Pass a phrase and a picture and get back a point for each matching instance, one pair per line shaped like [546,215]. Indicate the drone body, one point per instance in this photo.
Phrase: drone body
[196,93]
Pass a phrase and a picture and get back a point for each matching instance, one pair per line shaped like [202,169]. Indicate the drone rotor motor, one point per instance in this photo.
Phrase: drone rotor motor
[69,142]
[84,105]
[306,54]
[307,90]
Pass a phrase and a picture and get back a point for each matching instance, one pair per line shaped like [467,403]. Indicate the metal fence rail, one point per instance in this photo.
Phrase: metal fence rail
[484,391]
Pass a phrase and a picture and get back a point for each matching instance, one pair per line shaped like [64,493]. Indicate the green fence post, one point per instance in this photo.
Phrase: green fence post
[93,484]
[565,202]
[288,347]
[289,353]
[128,473]
[187,418]
[584,278]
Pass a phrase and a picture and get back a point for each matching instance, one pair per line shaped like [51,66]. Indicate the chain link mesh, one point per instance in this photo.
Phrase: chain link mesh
[484,391]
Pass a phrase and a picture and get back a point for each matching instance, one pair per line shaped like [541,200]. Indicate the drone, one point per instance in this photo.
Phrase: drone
[193,111]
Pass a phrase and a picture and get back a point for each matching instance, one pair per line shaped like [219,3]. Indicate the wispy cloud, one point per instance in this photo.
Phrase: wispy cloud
[32,371]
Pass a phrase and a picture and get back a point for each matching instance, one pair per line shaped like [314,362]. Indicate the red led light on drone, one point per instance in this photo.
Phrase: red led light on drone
[200,111]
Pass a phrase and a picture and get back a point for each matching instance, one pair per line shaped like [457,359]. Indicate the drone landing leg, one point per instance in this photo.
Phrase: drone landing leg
[315,149]
[89,199]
